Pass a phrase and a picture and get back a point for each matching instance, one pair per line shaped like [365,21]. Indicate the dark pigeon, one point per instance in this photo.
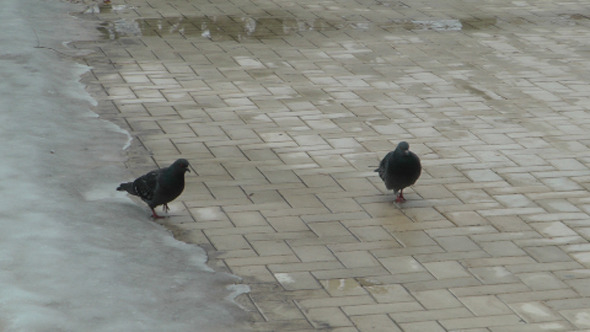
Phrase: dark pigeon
[399,169]
[159,187]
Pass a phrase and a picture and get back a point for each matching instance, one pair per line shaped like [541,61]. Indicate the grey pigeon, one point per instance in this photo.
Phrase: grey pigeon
[399,169]
[159,187]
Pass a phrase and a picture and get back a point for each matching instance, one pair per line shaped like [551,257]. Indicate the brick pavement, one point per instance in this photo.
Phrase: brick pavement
[283,107]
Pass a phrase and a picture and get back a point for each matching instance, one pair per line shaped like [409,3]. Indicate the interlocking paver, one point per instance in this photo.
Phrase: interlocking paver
[285,108]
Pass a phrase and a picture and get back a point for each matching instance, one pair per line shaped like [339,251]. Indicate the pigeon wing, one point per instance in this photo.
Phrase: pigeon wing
[416,168]
[146,185]
[383,166]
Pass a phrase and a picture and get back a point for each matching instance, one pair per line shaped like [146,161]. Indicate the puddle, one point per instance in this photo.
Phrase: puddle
[241,28]
[571,19]
[105,8]
[220,28]
[434,25]
[275,25]
[340,287]
[576,17]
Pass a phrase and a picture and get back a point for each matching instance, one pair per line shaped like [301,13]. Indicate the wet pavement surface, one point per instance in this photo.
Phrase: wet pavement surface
[284,108]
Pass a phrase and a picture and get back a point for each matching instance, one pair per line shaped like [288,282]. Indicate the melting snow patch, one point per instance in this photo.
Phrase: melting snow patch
[284,278]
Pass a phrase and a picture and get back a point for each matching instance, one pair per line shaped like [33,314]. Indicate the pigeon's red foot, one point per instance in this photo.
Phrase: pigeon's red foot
[400,197]
[155,215]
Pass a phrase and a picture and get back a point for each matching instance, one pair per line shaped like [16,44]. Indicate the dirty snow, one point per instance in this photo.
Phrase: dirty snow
[75,255]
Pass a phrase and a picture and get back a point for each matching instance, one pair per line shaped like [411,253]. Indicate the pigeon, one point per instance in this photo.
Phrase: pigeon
[399,169]
[159,187]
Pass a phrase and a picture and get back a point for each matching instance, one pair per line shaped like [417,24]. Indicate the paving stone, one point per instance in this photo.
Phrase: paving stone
[383,308]
[338,301]
[485,305]
[354,259]
[327,317]
[313,253]
[375,323]
[401,264]
[385,293]
[479,322]
[280,311]
[445,270]
[457,243]
[429,315]
[436,299]
[422,326]
[343,287]
[547,254]
[541,281]
[502,248]
[578,317]
[297,280]
[521,327]
[489,289]
[537,295]
[533,312]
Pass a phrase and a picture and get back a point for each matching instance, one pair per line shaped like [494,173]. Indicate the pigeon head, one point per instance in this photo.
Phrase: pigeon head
[181,164]
[404,147]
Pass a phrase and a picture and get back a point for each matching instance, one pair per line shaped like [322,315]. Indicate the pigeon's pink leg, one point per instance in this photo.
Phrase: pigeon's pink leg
[400,198]
[155,215]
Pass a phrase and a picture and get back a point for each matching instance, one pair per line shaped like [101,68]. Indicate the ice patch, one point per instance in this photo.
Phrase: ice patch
[237,290]
[284,278]
[120,130]
[535,310]
[438,25]
[103,192]
[582,319]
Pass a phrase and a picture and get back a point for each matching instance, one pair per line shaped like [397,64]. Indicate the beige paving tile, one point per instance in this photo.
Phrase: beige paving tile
[258,272]
[375,323]
[541,281]
[479,322]
[327,317]
[430,315]
[537,295]
[436,299]
[339,301]
[354,259]
[445,270]
[343,287]
[486,305]
[229,242]
[382,308]
[280,311]
[578,317]
[422,326]
[387,293]
[317,253]
[550,326]
[401,264]
[534,312]
[297,280]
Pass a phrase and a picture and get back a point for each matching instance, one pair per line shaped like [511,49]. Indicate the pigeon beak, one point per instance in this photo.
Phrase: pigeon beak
[187,170]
